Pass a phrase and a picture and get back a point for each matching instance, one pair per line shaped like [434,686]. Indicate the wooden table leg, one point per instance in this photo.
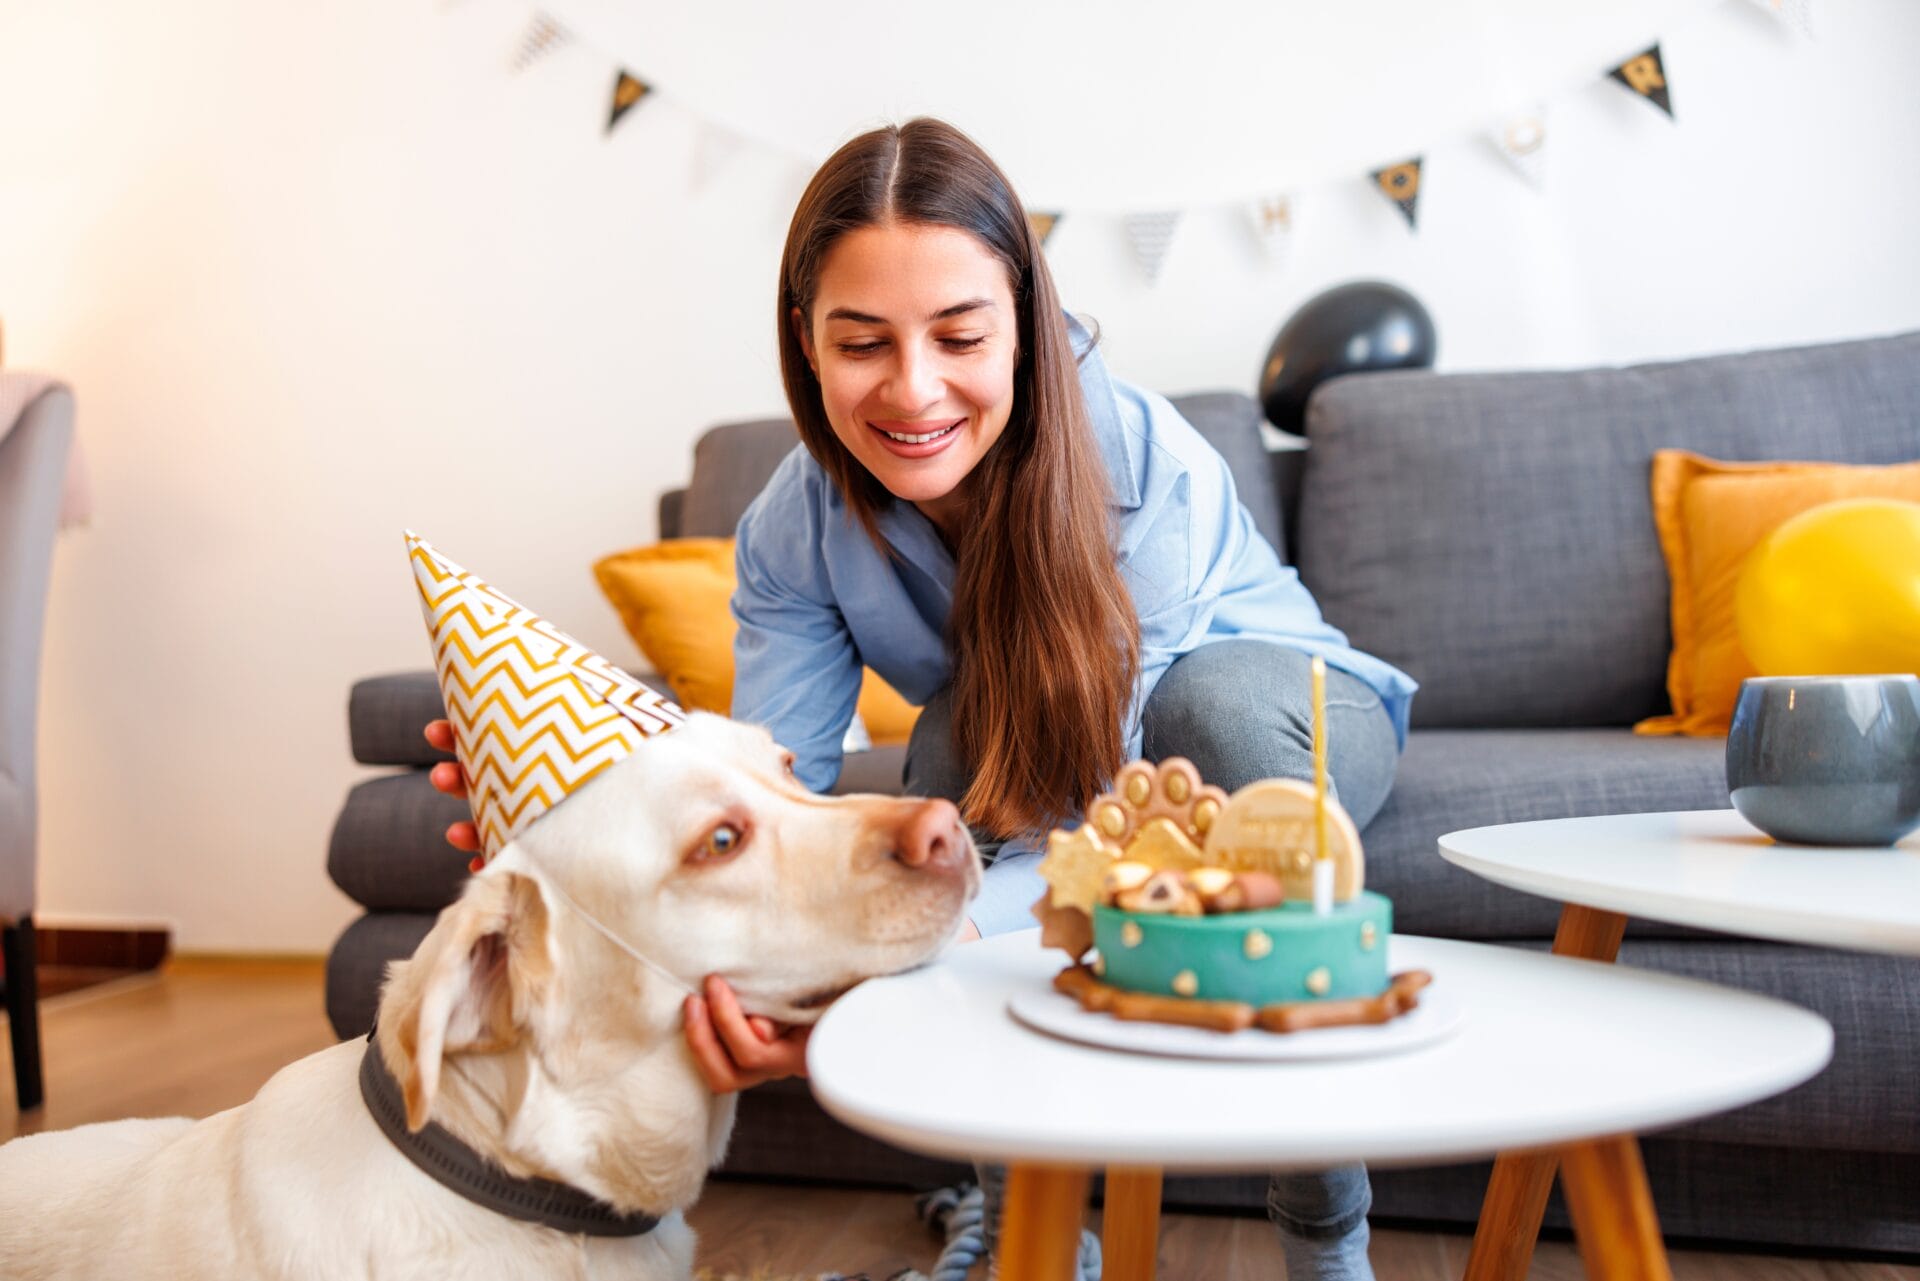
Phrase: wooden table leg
[1517,1193]
[1040,1224]
[1612,1209]
[1130,1225]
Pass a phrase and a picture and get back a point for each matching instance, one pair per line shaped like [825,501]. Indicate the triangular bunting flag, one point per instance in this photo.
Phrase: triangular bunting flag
[713,147]
[542,36]
[1523,141]
[1646,75]
[1152,235]
[1042,224]
[1272,219]
[1797,14]
[1401,184]
[535,713]
[627,93]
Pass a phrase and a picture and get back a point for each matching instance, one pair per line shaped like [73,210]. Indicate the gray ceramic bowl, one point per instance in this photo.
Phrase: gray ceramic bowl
[1827,760]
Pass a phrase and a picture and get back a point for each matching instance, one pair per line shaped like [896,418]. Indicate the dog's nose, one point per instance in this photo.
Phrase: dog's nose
[931,836]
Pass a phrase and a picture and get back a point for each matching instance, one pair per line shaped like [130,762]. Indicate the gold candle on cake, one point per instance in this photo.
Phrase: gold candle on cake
[1322,856]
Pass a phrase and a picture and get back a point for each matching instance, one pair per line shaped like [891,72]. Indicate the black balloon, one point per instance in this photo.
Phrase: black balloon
[1349,329]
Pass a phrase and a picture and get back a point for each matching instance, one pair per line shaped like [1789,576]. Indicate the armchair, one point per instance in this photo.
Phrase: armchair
[33,468]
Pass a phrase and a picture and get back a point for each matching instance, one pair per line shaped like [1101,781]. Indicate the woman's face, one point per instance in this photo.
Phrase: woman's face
[913,338]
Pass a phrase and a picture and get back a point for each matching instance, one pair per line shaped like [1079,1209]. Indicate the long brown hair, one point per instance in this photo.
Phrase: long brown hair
[1044,639]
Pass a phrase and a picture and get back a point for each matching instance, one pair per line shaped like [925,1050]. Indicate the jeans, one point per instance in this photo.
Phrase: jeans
[1240,710]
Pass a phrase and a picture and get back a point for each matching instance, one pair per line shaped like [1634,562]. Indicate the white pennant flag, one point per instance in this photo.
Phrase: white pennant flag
[1523,141]
[1272,218]
[1797,14]
[543,35]
[1151,234]
[714,147]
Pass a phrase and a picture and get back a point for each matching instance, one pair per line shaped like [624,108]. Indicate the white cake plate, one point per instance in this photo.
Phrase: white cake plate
[1437,1017]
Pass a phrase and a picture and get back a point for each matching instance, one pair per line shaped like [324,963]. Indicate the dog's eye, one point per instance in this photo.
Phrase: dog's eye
[787,765]
[721,842]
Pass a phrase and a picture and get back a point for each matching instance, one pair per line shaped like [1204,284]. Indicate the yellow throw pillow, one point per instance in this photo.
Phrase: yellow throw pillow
[1710,515]
[672,598]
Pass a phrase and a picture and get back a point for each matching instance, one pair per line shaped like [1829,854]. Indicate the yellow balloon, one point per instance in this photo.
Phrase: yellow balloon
[1834,591]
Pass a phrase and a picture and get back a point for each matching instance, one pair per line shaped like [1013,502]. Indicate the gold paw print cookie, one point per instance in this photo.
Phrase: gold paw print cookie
[1158,814]
[1268,827]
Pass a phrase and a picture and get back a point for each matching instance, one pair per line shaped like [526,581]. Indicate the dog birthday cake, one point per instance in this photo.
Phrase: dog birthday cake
[1220,911]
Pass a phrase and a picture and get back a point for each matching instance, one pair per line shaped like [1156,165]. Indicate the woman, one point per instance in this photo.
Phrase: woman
[1053,563]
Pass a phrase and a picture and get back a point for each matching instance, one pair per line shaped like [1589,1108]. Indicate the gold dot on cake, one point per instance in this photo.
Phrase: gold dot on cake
[1112,821]
[1320,982]
[1177,788]
[1257,944]
[1099,965]
[1203,815]
[1139,790]
[1368,936]
[1130,934]
[1186,983]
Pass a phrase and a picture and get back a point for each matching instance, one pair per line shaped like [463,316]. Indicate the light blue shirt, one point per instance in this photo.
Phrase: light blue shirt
[817,599]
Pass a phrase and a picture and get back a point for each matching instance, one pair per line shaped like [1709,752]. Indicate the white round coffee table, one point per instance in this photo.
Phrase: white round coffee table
[1549,1052]
[1706,868]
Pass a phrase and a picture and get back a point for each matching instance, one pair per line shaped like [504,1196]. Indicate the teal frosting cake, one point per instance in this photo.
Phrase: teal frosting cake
[1278,954]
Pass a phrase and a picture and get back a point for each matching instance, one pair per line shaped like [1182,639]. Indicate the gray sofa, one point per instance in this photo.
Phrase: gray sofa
[1492,535]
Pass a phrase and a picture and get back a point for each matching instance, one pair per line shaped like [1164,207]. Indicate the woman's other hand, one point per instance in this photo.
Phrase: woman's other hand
[448,777]
[735,1050]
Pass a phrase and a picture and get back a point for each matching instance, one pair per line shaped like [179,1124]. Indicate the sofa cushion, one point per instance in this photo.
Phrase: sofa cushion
[731,464]
[1711,516]
[1492,534]
[1453,779]
[672,597]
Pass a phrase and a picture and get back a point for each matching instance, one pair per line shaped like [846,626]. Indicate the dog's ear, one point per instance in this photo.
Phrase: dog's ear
[472,981]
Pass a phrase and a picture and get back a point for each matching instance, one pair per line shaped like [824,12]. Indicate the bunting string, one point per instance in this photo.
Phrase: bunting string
[1521,139]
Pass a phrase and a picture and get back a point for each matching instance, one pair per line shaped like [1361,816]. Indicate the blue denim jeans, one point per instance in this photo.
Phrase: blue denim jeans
[1242,710]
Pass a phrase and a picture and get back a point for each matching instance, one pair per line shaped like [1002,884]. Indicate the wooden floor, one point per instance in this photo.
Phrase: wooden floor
[204,1034]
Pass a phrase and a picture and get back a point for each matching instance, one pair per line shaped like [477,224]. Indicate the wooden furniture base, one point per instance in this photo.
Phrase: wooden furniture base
[1612,1209]
[1130,1225]
[1517,1193]
[1040,1230]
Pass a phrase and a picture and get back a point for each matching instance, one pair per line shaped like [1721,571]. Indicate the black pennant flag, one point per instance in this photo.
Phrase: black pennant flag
[1401,184]
[627,93]
[1646,75]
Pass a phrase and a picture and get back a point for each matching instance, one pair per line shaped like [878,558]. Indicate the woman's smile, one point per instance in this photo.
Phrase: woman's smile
[920,439]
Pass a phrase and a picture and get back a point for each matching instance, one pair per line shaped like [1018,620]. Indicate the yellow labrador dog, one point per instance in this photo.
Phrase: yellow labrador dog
[539,1025]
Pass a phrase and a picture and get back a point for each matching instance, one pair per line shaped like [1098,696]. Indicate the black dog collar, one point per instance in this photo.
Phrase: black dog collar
[455,1165]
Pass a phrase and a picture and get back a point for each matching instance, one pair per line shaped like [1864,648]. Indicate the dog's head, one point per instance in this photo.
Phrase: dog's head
[702,853]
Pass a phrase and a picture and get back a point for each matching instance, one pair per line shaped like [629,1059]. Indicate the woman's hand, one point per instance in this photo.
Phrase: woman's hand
[448,777]
[735,1050]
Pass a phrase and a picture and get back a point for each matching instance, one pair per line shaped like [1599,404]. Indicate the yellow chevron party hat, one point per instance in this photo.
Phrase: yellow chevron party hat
[535,713]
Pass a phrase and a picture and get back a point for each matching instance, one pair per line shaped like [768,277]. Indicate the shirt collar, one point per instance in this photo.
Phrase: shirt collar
[1110,430]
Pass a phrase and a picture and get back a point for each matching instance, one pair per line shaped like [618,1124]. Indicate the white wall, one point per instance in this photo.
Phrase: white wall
[322,272]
